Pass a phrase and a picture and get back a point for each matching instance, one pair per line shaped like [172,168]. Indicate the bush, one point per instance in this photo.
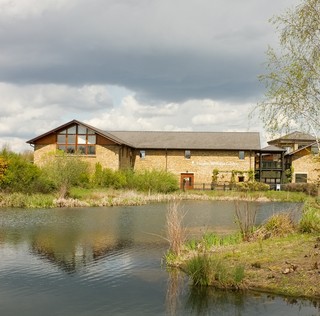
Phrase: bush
[19,174]
[308,188]
[252,186]
[63,171]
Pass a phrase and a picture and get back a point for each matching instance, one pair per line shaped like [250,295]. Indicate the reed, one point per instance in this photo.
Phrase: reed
[176,233]
[245,218]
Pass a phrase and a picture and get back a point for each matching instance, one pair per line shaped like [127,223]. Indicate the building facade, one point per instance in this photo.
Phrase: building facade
[197,158]
[191,156]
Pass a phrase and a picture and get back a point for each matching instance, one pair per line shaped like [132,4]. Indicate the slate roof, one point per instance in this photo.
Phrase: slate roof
[294,136]
[272,148]
[173,140]
[191,140]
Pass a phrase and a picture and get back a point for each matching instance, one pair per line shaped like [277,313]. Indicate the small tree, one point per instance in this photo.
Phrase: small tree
[65,171]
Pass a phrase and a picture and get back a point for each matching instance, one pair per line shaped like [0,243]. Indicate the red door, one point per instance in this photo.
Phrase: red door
[186,181]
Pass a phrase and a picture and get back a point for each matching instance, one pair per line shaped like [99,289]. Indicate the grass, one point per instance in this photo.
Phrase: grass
[108,197]
[277,258]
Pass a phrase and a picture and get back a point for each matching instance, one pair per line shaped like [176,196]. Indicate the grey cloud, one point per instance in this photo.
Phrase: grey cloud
[164,50]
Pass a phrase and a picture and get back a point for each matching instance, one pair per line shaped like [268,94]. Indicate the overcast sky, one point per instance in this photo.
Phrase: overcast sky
[132,64]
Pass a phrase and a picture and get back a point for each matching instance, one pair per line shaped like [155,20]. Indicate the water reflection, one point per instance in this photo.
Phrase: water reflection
[100,261]
[206,300]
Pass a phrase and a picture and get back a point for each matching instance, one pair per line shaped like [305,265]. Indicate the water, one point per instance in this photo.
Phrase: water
[107,261]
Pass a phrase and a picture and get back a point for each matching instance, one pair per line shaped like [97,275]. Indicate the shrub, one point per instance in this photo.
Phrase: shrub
[252,186]
[308,188]
[64,171]
[20,175]
[152,181]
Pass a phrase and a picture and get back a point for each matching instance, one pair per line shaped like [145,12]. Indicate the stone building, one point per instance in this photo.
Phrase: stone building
[194,157]
[191,156]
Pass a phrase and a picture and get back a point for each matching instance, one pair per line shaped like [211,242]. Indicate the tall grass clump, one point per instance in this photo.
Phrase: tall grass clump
[199,270]
[310,220]
[205,270]
[245,218]
[176,233]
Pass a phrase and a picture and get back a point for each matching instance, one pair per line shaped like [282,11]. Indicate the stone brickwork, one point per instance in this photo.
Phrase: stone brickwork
[308,164]
[201,163]
[107,155]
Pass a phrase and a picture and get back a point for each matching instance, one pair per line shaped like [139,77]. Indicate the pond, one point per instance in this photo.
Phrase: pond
[108,261]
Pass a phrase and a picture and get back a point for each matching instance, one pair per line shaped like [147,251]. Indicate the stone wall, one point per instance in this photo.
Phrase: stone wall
[307,163]
[201,163]
[106,155]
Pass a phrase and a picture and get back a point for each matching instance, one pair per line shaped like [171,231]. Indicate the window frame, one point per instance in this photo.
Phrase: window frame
[242,155]
[187,154]
[142,154]
[71,144]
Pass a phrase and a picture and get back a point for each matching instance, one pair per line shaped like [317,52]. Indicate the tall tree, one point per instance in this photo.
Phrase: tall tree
[292,97]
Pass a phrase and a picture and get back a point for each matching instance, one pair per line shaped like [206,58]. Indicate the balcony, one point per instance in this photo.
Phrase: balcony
[271,165]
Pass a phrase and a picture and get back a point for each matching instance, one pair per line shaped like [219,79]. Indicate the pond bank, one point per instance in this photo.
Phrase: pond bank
[287,266]
[281,256]
[91,197]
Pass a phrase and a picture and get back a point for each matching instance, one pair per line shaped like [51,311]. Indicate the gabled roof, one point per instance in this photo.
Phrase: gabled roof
[191,140]
[173,140]
[61,127]
[294,137]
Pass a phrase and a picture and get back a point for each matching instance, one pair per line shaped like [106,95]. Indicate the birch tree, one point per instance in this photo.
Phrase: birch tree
[292,79]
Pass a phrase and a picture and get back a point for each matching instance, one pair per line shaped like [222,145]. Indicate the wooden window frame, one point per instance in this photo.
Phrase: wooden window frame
[71,143]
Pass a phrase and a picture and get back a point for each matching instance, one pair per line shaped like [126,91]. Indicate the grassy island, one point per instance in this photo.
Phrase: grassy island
[279,257]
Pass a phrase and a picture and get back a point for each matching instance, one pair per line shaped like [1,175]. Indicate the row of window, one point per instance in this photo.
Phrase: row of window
[77,139]
[187,154]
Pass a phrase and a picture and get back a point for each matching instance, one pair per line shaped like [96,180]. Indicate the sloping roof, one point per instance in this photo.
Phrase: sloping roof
[191,140]
[173,140]
[272,148]
[301,149]
[61,127]
[294,136]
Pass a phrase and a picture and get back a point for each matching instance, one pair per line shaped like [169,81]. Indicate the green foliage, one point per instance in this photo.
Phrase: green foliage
[292,78]
[146,181]
[154,181]
[20,175]
[252,186]
[310,221]
[21,200]
[207,270]
[109,178]
[215,173]
[199,270]
[64,171]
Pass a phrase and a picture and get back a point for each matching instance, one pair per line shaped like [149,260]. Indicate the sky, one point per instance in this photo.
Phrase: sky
[167,65]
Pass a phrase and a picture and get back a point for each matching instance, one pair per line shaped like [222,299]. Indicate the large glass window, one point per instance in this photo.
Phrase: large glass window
[77,139]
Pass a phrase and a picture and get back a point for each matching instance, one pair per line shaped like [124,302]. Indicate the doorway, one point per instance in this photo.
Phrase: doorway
[186,181]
